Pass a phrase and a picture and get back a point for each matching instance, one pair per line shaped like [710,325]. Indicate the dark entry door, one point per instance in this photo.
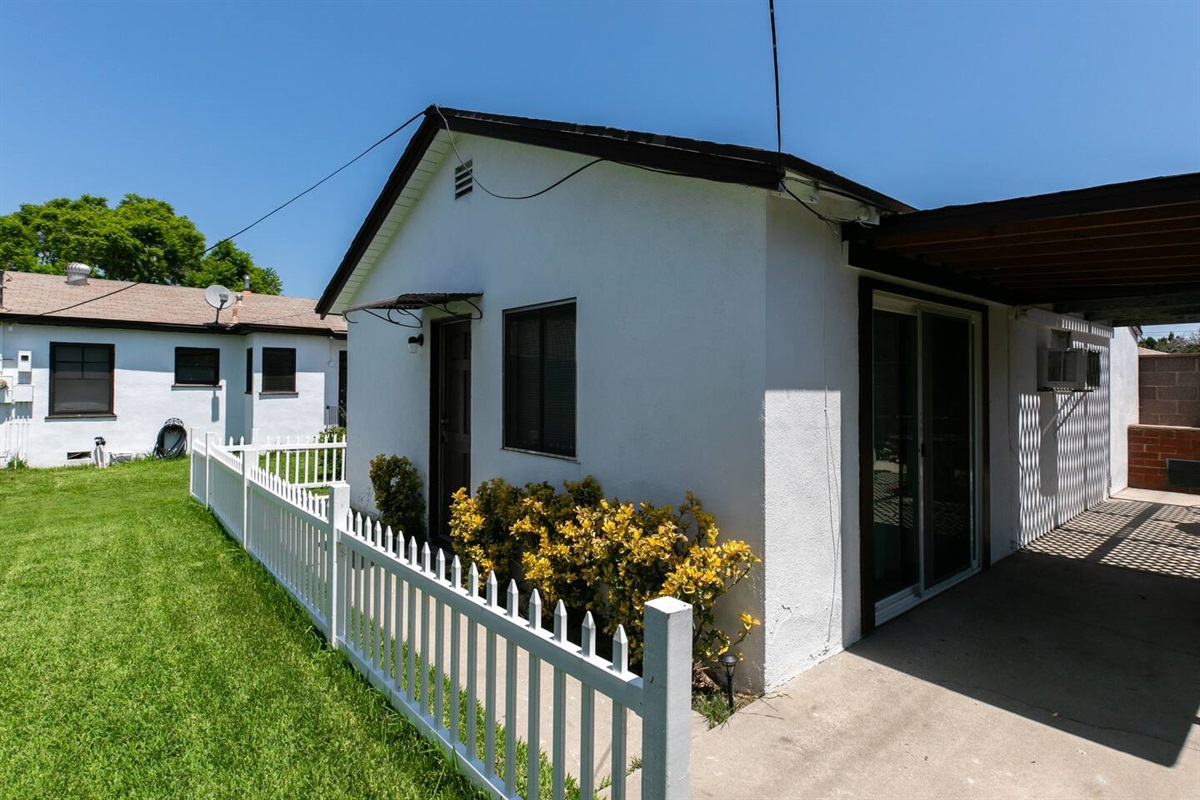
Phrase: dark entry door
[341,395]
[451,429]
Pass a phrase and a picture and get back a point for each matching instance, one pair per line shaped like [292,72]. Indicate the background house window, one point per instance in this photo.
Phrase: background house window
[249,370]
[278,369]
[197,366]
[81,378]
[539,379]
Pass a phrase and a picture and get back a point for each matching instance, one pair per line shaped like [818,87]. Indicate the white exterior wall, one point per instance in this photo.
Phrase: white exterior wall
[1124,404]
[717,351]
[293,414]
[669,279]
[144,394]
[811,415]
[1059,441]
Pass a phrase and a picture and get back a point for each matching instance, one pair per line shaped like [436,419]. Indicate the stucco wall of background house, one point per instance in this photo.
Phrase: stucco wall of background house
[811,418]
[144,396]
[1123,404]
[296,414]
[669,279]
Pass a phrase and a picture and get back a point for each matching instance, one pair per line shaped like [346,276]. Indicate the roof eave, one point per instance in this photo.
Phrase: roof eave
[692,158]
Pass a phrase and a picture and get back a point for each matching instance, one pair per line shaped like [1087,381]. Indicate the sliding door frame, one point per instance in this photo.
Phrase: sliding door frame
[867,289]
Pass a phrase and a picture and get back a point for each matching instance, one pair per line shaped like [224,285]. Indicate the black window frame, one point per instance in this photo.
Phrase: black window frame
[249,370]
[276,381]
[215,367]
[562,442]
[55,378]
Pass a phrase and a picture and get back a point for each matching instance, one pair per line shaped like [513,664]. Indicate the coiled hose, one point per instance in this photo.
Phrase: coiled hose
[172,439]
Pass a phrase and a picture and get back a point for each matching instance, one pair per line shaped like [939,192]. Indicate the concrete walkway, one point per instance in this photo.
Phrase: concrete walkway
[1071,669]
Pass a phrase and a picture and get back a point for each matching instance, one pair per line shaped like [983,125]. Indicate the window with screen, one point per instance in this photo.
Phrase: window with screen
[278,370]
[539,379]
[81,379]
[197,366]
[249,370]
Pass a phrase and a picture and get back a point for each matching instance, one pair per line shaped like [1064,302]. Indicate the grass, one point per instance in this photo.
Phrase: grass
[143,654]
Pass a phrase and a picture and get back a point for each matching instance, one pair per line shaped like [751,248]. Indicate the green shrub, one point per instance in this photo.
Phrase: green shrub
[398,497]
[334,433]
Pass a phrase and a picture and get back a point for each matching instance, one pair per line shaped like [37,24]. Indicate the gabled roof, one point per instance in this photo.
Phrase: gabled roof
[724,163]
[49,300]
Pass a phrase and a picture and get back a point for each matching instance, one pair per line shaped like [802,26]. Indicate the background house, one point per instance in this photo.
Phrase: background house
[118,359]
[684,315]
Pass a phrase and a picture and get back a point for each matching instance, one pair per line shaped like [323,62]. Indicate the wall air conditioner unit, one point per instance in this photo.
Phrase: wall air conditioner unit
[1062,369]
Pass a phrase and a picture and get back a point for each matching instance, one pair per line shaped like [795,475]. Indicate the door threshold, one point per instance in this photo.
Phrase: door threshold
[891,607]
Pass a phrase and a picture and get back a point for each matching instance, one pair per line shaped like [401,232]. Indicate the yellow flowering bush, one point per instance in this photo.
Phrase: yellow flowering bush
[500,522]
[607,556]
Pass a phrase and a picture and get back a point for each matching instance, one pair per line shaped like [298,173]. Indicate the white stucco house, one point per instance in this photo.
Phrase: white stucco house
[679,315]
[117,359]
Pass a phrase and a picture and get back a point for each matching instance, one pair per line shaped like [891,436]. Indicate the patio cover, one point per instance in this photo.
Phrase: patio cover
[1125,253]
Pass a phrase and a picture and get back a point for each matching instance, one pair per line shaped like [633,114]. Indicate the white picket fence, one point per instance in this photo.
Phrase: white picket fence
[14,439]
[416,633]
[301,461]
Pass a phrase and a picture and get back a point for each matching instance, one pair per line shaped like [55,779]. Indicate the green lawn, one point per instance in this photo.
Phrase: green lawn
[144,654]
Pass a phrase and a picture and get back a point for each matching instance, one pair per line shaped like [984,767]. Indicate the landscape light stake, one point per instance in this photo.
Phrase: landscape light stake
[729,662]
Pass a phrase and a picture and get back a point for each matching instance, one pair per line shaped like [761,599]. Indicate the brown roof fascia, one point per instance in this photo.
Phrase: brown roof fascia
[396,182]
[1160,192]
[723,163]
[728,163]
[237,330]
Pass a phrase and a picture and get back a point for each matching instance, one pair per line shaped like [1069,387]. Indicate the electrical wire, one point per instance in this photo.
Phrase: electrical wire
[476,181]
[279,208]
[264,217]
[73,305]
[830,222]
[775,59]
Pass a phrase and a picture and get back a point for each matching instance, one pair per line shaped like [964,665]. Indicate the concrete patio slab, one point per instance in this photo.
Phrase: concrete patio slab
[1068,670]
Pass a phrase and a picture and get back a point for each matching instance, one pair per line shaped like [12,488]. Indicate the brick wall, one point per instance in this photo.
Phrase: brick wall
[1169,389]
[1149,448]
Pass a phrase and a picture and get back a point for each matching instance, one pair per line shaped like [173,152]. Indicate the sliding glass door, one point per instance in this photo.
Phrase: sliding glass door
[924,438]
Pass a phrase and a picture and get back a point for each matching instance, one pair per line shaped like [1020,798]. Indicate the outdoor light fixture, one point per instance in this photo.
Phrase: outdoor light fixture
[415,341]
[729,662]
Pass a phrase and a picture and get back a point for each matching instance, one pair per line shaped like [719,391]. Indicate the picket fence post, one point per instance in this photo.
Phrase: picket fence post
[249,458]
[192,462]
[208,440]
[337,510]
[667,684]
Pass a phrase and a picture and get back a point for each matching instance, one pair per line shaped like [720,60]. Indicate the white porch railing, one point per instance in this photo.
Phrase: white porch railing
[465,669]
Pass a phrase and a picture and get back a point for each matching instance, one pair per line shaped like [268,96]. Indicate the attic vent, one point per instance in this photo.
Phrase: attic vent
[464,179]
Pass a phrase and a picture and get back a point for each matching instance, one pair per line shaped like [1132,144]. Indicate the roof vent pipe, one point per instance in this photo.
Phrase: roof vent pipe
[77,274]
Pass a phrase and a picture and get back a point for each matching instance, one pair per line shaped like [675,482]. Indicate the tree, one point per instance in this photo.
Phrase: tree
[228,265]
[141,239]
[1184,343]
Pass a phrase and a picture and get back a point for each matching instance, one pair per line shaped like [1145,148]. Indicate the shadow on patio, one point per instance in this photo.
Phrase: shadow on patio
[1094,629]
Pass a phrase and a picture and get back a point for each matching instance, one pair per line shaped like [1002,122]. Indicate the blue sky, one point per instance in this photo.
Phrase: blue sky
[225,110]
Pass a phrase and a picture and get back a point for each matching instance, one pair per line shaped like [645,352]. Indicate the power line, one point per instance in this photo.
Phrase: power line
[279,208]
[775,59]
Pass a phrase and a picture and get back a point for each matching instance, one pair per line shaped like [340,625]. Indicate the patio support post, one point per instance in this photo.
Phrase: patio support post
[667,683]
[338,510]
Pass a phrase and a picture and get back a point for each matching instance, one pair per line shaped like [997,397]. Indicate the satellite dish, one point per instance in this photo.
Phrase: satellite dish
[219,298]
